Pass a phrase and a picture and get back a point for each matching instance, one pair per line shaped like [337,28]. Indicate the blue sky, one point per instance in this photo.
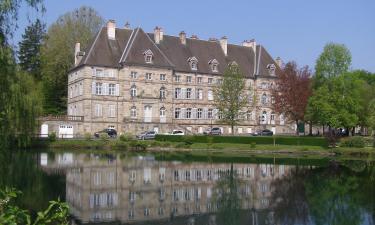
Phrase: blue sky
[292,29]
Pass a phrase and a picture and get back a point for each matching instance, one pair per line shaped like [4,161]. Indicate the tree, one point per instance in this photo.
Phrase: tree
[79,25]
[29,49]
[292,92]
[334,61]
[14,99]
[231,96]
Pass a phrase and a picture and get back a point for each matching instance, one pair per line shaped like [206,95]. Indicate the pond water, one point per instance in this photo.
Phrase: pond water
[164,189]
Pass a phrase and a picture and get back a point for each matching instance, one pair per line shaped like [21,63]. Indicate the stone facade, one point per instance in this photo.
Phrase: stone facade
[133,94]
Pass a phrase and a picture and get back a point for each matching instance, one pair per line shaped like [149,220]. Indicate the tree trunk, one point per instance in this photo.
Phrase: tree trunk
[232,127]
[310,128]
[353,131]
[297,133]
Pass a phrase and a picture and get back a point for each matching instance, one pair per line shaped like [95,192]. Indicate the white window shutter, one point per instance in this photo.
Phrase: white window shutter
[183,90]
[205,113]
[93,88]
[117,90]
[183,113]
[91,201]
[194,113]
[115,198]
[105,89]
[93,72]
[192,93]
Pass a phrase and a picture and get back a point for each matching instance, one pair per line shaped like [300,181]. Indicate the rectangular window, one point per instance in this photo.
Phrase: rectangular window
[177,78]
[188,93]
[177,93]
[219,81]
[210,114]
[98,110]
[188,79]
[133,74]
[162,77]
[199,80]
[112,111]
[177,113]
[99,72]
[148,76]
[199,113]
[210,96]
[210,80]
[111,89]
[188,113]
[200,94]
[98,88]
[147,175]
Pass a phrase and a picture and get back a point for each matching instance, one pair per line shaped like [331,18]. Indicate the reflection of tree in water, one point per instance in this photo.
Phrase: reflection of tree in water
[334,195]
[227,197]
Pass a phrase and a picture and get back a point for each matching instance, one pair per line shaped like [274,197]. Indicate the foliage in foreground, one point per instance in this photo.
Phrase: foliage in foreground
[56,213]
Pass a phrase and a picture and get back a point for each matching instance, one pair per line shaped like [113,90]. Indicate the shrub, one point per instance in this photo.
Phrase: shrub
[353,142]
[88,136]
[126,137]
[120,145]
[188,140]
[138,145]
[253,144]
[52,137]
[104,137]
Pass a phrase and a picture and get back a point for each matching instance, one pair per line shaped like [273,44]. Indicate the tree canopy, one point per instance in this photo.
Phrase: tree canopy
[80,25]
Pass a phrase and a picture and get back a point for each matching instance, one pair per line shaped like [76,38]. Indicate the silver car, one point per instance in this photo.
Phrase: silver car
[146,135]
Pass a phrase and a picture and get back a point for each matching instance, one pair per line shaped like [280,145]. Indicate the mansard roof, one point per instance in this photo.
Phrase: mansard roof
[129,46]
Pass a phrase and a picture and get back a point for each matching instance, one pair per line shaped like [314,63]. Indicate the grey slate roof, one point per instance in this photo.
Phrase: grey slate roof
[129,46]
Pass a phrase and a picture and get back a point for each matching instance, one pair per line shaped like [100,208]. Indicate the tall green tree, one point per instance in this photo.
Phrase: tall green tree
[334,61]
[231,96]
[15,100]
[29,49]
[80,25]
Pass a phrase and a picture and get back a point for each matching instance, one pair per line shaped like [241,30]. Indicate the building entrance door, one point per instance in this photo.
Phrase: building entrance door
[148,114]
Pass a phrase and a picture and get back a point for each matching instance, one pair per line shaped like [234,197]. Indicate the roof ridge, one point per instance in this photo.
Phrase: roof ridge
[131,44]
[93,44]
[126,46]
[260,53]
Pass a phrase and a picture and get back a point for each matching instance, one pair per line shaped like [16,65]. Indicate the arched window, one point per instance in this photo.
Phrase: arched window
[264,98]
[162,92]
[264,117]
[162,112]
[133,112]
[133,91]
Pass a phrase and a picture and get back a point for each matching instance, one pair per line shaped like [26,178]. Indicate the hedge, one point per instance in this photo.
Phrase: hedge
[265,140]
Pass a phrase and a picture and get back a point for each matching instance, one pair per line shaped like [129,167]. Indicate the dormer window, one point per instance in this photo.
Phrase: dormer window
[214,65]
[233,63]
[148,56]
[193,63]
[271,69]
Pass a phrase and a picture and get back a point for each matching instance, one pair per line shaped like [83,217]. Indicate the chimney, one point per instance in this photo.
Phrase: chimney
[279,62]
[158,34]
[250,43]
[77,55]
[183,37]
[127,25]
[224,45]
[193,36]
[111,29]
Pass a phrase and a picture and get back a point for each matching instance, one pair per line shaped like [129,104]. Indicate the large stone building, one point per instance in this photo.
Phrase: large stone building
[135,81]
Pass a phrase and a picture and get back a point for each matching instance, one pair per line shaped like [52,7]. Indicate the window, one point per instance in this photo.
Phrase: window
[188,93]
[210,114]
[133,112]
[264,99]
[133,91]
[210,80]
[80,88]
[210,95]
[177,113]
[264,117]
[162,93]
[219,81]
[177,78]
[98,110]
[111,89]
[98,88]
[148,76]
[162,111]
[272,118]
[133,75]
[199,113]
[177,93]
[214,65]
[273,100]
[263,85]
[271,69]
[148,56]
[99,72]
[200,94]
[249,116]
[199,80]
[112,111]
[188,79]
[188,113]
[193,63]
[162,77]
[131,214]
[282,121]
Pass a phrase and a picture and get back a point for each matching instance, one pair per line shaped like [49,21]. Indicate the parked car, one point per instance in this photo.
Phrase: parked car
[146,135]
[177,132]
[266,132]
[109,131]
[213,131]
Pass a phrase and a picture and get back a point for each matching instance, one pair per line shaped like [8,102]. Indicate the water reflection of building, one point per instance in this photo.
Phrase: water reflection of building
[138,189]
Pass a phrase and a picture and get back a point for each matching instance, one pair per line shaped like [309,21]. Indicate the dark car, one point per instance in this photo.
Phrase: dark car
[146,135]
[213,131]
[109,131]
[266,132]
